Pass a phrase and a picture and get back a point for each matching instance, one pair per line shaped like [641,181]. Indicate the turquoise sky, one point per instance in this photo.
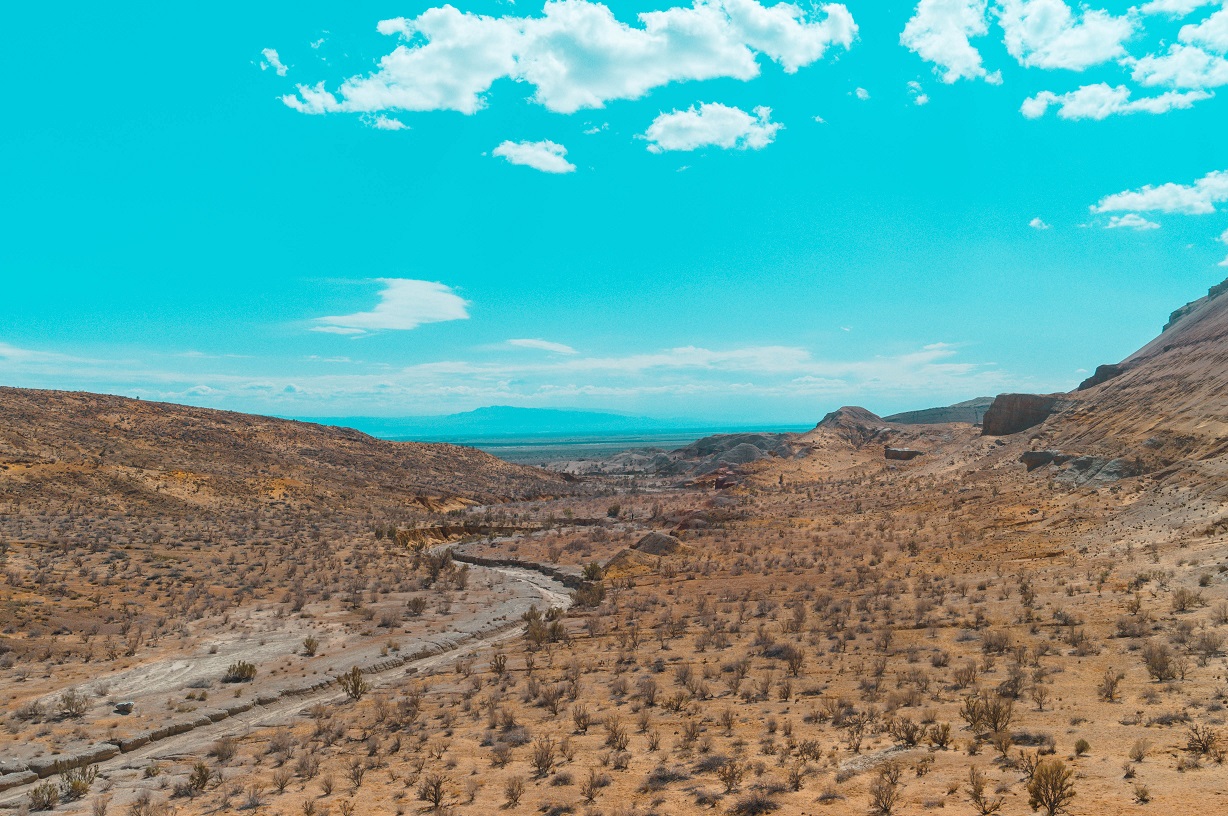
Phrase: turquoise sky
[730,211]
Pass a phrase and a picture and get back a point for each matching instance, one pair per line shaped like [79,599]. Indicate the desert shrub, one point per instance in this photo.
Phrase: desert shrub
[1051,787]
[433,789]
[1158,658]
[224,749]
[75,782]
[1202,740]
[984,804]
[1186,599]
[513,789]
[754,803]
[884,796]
[73,704]
[353,683]
[44,796]
[1138,751]
[1110,686]
[240,672]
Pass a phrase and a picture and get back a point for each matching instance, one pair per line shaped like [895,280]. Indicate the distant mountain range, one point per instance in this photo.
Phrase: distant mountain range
[507,422]
[502,422]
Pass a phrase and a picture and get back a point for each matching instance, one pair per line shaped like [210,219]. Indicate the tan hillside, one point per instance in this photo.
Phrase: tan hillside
[128,454]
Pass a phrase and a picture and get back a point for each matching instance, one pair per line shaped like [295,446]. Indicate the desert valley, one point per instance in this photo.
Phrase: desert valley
[207,612]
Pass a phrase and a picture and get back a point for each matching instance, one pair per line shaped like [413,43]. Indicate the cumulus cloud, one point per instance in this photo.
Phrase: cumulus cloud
[382,122]
[919,96]
[1211,33]
[1198,198]
[271,60]
[577,54]
[1102,100]
[1038,223]
[404,304]
[940,31]
[1196,61]
[1132,221]
[712,124]
[1048,34]
[1183,66]
[545,156]
[543,345]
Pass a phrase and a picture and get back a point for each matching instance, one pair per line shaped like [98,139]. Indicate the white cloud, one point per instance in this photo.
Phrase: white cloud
[1048,34]
[689,378]
[1184,66]
[543,345]
[1211,33]
[545,156]
[919,96]
[1175,8]
[1103,100]
[1132,221]
[862,94]
[712,124]
[1038,223]
[1198,198]
[940,32]
[383,122]
[404,304]
[1223,262]
[1223,239]
[578,55]
[272,61]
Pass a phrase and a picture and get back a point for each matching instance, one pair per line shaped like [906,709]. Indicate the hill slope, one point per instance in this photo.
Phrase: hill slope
[124,453]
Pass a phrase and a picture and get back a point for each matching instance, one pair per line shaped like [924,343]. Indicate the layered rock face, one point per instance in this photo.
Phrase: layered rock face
[1012,413]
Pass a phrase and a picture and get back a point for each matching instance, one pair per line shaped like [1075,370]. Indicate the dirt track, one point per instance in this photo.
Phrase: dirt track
[477,630]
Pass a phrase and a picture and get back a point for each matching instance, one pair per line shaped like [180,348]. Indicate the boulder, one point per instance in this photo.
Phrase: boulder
[12,780]
[11,766]
[135,741]
[657,544]
[1037,458]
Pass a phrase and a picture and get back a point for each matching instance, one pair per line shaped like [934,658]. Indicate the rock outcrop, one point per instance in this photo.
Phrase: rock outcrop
[854,424]
[1012,413]
[901,454]
[1193,306]
[1103,374]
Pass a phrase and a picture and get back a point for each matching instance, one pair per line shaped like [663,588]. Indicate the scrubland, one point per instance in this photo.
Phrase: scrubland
[852,637]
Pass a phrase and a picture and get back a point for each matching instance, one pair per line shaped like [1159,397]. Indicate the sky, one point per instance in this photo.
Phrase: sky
[733,211]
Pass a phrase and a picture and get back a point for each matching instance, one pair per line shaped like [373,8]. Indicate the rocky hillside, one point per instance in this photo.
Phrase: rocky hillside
[970,411]
[1165,404]
[125,454]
